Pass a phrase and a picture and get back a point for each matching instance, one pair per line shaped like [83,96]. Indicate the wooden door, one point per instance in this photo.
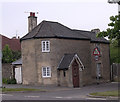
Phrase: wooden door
[18,75]
[75,74]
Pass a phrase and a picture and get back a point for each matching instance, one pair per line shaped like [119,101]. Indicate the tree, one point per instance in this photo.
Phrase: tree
[7,56]
[113,33]
[16,55]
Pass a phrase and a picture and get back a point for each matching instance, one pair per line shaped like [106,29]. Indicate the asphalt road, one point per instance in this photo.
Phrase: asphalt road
[65,94]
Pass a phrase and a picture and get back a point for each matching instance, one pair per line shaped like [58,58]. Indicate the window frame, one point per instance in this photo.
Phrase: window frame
[45,46]
[98,70]
[46,72]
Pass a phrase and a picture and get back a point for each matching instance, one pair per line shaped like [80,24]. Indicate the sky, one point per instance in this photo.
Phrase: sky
[75,14]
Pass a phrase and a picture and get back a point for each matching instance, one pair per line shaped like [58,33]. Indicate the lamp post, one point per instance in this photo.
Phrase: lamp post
[0,61]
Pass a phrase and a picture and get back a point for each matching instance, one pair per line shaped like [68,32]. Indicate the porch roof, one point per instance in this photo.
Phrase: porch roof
[17,62]
[67,60]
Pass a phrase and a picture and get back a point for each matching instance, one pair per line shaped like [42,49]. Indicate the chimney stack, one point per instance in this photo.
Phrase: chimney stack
[32,21]
[97,30]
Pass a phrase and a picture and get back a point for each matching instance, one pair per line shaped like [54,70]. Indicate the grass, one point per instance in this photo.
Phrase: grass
[20,89]
[106,93]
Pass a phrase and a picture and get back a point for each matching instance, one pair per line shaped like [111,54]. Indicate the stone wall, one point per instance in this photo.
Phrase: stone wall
[104,60]
[34,59]
[29,69]
[6,70]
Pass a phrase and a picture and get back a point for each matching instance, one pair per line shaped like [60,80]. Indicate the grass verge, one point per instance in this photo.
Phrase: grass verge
[106,93]
[20,89]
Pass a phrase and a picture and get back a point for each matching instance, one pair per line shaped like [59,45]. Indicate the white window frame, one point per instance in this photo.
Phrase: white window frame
[44,47]
[46,71]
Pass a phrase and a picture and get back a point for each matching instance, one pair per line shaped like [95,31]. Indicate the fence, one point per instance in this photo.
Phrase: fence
[115,71]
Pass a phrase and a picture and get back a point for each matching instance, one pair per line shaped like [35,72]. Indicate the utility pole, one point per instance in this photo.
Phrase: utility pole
[118,2]
[0,61]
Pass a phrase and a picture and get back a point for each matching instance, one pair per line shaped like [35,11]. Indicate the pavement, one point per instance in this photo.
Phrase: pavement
[47,88]
[61,93]
[102,86]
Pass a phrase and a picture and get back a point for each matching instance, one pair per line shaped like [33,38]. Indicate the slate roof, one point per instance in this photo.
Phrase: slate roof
[14,44]
[92,36]
[48,29]
[17,62]
[65,61]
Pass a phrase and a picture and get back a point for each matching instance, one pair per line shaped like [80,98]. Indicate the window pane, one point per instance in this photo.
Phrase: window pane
[47,45]
[98,69]
[43,46]
[44,71]
[48,71]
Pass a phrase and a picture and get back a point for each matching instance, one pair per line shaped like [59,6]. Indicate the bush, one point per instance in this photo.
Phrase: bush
[4,80]
[9,81]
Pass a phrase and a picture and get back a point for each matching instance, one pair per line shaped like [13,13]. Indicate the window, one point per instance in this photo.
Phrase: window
[64,73]
[98,70]
[45,46]
[46,72]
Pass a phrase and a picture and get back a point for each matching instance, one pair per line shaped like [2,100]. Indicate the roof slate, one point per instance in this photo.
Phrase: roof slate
[65,61]
[48,29]
[17,62]
[14,44]
[92,36]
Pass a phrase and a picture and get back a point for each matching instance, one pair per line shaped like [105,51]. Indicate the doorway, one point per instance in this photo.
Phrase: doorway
[75,73]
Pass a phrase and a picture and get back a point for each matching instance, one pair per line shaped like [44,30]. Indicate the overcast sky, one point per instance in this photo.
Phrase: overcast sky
[75,14]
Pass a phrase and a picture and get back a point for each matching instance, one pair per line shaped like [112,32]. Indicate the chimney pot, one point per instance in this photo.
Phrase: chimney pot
[32,14]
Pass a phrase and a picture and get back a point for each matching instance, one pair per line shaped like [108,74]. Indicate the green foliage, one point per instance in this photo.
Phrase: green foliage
[7,56]
[9,81]
[114,31]
[114,54]
[21,89]
[4,81]
[106,93]
[16,55]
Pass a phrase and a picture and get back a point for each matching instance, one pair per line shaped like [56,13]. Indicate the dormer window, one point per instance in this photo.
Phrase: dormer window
[45,46]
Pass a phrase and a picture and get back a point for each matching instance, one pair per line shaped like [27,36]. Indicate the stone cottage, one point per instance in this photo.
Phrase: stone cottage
[53,54]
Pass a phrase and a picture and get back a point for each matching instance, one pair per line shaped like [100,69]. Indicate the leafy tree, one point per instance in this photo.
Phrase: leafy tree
[7,56]
[16,55]
[113,33]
